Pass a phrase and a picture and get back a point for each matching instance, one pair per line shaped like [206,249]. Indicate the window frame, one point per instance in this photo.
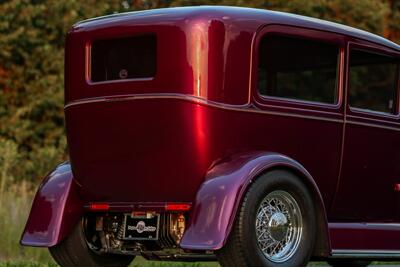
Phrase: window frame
[311,34]
[373,49]
[88,58]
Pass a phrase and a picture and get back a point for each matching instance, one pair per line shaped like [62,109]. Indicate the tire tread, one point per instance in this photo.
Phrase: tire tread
[236,253]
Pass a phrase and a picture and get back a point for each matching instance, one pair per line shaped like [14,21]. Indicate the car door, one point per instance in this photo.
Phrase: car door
[298,86]
[371,152]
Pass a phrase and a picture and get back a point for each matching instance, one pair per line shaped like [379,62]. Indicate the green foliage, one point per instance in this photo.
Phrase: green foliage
[32,138]
[8,160]
[367,14]
[32,34]
[27,264]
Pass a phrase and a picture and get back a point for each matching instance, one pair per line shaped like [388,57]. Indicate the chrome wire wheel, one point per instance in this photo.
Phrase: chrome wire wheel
[278,226]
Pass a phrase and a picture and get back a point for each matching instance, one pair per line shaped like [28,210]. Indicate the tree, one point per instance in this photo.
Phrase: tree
[392,30]
[32,37]
[32,34]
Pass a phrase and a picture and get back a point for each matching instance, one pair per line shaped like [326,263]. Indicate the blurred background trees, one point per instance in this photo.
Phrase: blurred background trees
[32,33]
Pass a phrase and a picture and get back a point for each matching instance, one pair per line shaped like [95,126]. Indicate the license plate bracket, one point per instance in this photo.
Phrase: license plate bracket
[141,228]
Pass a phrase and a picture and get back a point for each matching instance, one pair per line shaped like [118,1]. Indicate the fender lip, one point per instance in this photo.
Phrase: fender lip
[55,210]
[219,197]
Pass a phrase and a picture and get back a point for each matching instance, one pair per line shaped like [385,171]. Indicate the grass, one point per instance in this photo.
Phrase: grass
[15,204]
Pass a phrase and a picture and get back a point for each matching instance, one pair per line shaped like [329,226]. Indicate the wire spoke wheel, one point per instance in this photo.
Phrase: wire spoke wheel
[278,226]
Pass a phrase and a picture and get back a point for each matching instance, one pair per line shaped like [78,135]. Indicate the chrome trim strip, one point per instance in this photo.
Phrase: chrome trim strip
[344,253]
[363,226]
[394,225]
[310,103]
[387,120]
[302,109]
[384,115]
[197,100]
[373,125]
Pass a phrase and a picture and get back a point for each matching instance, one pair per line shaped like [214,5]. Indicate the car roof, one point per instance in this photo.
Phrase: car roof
[234,16]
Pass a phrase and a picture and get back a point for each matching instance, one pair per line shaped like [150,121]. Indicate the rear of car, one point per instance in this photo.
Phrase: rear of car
[131,130]
[174,156]
[127,137]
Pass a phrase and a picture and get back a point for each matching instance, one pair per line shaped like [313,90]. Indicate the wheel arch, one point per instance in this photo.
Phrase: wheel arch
[55,210]
[225,185]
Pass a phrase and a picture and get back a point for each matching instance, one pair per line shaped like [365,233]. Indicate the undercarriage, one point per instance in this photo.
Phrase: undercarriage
[155,236]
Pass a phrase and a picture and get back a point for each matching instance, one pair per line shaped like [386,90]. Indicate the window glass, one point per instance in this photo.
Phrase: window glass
[298,68]
[373,81]
[123,58]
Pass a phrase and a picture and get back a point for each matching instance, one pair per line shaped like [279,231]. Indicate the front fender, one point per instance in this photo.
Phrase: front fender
[55,210]
[220,195]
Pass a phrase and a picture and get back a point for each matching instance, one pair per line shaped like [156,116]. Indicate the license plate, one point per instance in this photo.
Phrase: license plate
[141,228]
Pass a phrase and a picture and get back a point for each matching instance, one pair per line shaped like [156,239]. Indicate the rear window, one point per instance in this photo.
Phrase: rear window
[296,68]
[123,58]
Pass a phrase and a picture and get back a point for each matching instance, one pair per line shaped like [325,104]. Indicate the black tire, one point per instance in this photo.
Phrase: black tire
[74,252]
[348,263]
[242,248]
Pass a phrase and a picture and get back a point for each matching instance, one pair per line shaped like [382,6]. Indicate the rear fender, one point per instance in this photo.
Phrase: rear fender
[55,210]
[219,197]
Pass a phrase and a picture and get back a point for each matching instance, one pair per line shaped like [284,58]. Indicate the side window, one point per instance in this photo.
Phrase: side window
[373,81]
[296,68]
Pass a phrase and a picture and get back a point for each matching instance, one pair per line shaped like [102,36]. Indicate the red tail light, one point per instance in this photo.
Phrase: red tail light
[99,206]
[177,207]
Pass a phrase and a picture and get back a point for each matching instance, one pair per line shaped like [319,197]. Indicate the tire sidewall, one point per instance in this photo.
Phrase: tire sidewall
[265,184]
[74,251]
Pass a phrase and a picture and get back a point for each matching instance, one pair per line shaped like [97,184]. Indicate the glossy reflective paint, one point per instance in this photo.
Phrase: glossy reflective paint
[372,163]
[149,157]
[202,51]
[220,195]
[163,135]
[186,60]
[184,136]
[55,210]
[364,236]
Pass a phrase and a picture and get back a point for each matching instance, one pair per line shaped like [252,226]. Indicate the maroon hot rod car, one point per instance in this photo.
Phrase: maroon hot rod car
[253,137]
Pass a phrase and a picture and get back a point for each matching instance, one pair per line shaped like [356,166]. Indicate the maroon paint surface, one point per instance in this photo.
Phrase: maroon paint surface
[362,236]
[157,140]
[217,199]
[55,210]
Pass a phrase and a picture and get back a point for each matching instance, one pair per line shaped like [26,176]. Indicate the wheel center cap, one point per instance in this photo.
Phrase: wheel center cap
[278,226]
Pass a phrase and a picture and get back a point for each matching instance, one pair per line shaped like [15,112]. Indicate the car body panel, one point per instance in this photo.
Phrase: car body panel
[188,134]
[365,236]
[219,197]
[55,210]
[370,158]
